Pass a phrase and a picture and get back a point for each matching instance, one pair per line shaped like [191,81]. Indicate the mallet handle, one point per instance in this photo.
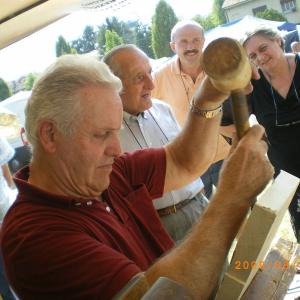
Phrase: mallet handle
[240,113]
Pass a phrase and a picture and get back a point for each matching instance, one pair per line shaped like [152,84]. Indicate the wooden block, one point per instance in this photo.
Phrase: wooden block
[257,236]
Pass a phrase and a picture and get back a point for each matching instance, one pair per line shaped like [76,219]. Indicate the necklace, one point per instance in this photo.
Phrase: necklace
[293,83]
[135,137]
[185,88]
[276,105]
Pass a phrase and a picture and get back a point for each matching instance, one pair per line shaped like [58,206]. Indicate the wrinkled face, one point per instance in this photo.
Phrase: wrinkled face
[263,52]
[188,43]
[85,159]
[137,81]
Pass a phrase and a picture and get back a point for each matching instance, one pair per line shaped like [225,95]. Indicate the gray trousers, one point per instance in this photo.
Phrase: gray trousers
[181,222]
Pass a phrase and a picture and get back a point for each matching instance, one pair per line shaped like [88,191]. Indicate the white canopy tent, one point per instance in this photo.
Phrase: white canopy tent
[237,29]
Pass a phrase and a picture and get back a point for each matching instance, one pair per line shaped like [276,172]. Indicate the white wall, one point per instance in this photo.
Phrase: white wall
[245,8]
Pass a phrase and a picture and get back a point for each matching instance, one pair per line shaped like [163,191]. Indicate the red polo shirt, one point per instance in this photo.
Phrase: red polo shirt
[58,247]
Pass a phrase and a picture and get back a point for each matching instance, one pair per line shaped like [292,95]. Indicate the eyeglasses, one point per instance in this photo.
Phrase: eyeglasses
[286,113]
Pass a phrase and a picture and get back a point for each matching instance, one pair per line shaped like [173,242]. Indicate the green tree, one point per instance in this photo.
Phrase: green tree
[218,13]
[5,91]
[29,81]
[126,30]
[271,14]
[162,23]
[87,42]
[123,29]
[206,22]
[62,46]
[112,39]
[143,39]
[101,39]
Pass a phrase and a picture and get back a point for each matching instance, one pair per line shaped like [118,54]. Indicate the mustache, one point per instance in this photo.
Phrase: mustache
[195,51]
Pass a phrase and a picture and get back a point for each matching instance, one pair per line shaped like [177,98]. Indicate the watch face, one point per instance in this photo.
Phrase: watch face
[211,113]
[208,114]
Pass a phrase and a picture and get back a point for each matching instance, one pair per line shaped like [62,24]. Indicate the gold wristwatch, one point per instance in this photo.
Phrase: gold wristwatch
[205,113]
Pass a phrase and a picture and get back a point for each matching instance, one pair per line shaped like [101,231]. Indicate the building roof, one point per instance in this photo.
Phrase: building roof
[230,3]
[19,19]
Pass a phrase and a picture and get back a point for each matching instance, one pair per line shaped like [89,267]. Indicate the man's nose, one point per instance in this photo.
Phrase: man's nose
[114,147]
[149,82]
[190,45]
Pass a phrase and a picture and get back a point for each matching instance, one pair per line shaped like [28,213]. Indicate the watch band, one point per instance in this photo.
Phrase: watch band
[205,113]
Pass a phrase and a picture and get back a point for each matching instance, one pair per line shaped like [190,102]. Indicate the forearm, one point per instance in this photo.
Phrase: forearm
[197,262]
[7,175]
[195,148]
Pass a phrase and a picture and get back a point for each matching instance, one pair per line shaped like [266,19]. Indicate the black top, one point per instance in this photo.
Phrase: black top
[284,148]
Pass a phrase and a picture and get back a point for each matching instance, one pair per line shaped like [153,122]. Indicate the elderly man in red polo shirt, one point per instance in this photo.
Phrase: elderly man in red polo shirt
[83,224]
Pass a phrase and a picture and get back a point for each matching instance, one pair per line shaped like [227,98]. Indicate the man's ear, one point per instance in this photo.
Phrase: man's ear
[279,42]
[48,136]
[173,46]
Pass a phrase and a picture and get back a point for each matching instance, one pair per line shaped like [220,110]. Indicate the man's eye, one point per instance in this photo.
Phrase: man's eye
[252,57]
[264,48]
[139,78]
[101,135]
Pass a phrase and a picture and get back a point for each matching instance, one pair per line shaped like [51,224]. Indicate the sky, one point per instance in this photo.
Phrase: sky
[36,52]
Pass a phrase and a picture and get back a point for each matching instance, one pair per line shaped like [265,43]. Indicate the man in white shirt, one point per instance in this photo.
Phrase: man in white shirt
[150,123]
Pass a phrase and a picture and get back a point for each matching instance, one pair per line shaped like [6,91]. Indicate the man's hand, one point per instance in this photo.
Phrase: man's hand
[255,75]
[207,96]
[247,170]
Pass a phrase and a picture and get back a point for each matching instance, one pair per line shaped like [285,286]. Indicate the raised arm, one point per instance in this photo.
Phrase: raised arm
[192,152]
[197,263]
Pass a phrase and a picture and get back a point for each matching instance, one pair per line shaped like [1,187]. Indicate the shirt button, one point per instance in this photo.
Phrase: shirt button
[107,209]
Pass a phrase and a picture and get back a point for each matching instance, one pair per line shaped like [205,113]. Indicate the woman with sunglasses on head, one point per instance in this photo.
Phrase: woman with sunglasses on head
[275,101]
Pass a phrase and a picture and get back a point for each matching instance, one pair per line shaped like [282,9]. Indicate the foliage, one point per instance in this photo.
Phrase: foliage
[206,22]
[126,30]
[62,46]
[271,14]
[216,18]
[87,42]
[5,91]
[218,14]
[112,39]
[143,39]
[101,39]
[163,21]
[29,81]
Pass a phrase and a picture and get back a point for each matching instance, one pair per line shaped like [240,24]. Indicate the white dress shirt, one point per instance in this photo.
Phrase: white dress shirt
[155,128]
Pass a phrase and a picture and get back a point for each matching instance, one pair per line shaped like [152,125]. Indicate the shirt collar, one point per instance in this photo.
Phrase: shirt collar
[175,65]
[25,188]
[128,117]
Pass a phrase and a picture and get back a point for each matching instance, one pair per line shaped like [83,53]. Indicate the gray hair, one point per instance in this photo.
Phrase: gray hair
[114,64]
[182,24]
[55,94]
[268,33]
[294,45]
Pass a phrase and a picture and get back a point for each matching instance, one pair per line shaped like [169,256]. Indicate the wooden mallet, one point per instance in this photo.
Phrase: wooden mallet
[225,61]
